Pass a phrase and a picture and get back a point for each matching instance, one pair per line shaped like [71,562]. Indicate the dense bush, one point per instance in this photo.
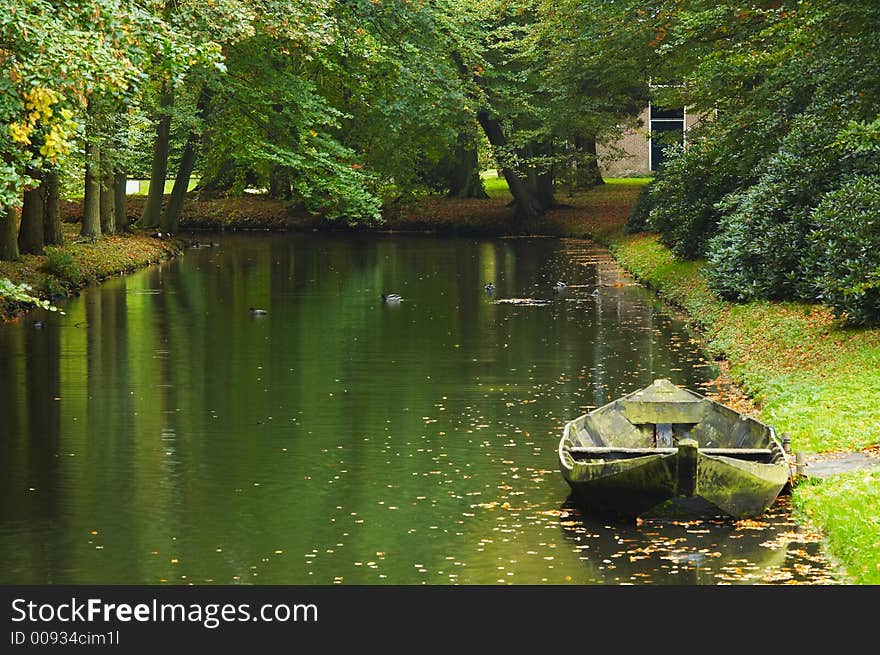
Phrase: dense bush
[761,249]
[684,213]
[687,189]
[845,249]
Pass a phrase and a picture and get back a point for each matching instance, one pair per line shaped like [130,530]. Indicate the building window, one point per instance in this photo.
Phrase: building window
[667,129]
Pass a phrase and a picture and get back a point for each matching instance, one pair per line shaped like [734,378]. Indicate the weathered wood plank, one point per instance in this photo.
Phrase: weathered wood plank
[674,411]
[606,450]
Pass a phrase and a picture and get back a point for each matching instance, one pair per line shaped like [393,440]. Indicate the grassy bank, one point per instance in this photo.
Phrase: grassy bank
[811,378]
[67,269]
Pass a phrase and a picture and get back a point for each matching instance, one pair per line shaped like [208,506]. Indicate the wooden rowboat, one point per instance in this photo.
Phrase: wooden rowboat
[668,451]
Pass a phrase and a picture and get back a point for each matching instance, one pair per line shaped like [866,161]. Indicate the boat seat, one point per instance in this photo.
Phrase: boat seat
[681,412]
[663,402]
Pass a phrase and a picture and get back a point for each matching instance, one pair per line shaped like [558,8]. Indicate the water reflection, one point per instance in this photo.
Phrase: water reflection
[159,432]
[771,549]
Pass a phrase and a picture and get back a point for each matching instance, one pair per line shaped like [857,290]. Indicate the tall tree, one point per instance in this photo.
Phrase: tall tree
[46,82]
[171,215]
[9,217]
[159,168]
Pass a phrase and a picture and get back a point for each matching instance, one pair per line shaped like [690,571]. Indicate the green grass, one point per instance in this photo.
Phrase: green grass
[846,509]
[628,181]
[496,187]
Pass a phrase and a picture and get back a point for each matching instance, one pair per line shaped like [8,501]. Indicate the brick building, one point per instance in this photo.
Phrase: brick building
[643,148]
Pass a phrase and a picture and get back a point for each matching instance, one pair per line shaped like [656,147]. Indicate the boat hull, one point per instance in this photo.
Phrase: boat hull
[685,483]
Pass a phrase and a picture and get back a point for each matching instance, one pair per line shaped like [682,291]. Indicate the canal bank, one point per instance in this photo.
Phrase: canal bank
[812,379]
[65,270]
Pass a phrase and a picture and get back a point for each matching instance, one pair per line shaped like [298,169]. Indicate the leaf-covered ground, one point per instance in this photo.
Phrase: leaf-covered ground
[90,260]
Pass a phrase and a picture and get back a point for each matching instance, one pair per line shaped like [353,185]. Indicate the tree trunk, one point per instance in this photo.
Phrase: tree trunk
[30,232]
[464,177]
[279,184]
[108,204]
[120,179]
[544,177]
[52,215]
[91,222]
[171,217]
[528,207]
[153,208]
[587,174]
[9,234]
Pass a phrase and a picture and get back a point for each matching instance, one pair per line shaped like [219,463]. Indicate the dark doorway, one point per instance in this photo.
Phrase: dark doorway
[663,135]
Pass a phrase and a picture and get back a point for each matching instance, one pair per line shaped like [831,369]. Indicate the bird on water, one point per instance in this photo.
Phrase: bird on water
[561,285]
[490,287]
[258,312]
[391,298]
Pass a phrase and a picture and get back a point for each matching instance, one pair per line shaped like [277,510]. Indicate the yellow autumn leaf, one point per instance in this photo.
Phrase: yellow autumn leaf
[20,133]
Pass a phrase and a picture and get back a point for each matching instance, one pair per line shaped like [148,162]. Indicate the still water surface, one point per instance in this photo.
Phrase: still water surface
[159,432]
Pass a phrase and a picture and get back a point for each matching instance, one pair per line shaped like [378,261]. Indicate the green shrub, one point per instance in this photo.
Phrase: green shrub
[61,265]
[845,249]
[761,249]
[684,210]
[639,217]
[687,189]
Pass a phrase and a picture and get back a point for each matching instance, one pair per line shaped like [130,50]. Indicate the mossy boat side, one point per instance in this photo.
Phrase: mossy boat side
[668,451]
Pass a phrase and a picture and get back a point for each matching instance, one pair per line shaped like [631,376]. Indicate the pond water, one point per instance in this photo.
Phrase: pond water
[159,432]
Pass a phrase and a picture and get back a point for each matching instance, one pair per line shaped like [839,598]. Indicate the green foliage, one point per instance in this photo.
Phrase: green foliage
[639,217]
[684,194]
[761,249]
[845,249]
[62,265]
[860,136]
[267,119]
[20,294]
[783,79]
